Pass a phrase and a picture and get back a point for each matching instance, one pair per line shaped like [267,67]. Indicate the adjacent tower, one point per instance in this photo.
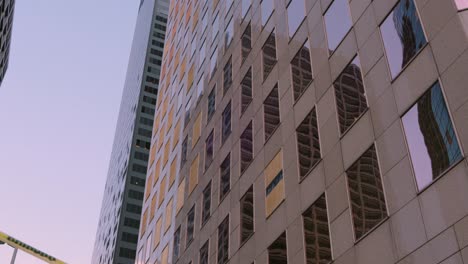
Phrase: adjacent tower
[117,232]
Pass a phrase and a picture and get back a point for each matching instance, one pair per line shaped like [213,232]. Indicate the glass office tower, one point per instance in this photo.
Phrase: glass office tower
[7,8]
[308,131]
[117,232]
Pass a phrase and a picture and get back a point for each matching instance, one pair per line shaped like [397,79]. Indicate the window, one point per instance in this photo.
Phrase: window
[431,138]
[180,196]
[269,54]
[137,181]
[316,233]
[196,130]
[132,208]
[245,7]
[128,237]
[225,182]
[223,241]
[267,9]
[246,146]
[308,144]
[193,177]
[301,69]
[247,215]
[337,23]
[133,223]
[274,193]
[277,252]
[227,76]
[226,125]
[215,28]
[228,34]
[296,14]
[206,209]
[271,113]
[246,41]
[176,247]
[141,156]
[214,61]
[461,4]
[350,95]
[366,193]
[184,152]
[211,103]
[127,253]
[209,150]
[190,225]
[402,35]
[204,253]
[135,194]
[157,233]
[246,97]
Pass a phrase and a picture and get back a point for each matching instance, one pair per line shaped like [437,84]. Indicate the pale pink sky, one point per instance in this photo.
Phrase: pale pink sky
[58,109]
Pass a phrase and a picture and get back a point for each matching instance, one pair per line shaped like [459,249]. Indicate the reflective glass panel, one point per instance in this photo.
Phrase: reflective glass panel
[247,215]
[432,142]
[225,183]
[229,33]
[246,84]
[267,9]
[277,252]
[245,7]
[190,223]
[211,103]
[206,203]
[226,125]
[246,145]
[366,193]
[209,150]
[337,23]
[269,55]
[223,241]
[316,233]
[271,113]
[301,69]
[308,144]
[350,95]
[204,253]
[227,76]
[246,43]
[296,14]
[402,35]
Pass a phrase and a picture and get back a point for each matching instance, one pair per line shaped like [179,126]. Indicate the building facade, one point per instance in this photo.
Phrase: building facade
[117,232]
[310,131]
[7,8]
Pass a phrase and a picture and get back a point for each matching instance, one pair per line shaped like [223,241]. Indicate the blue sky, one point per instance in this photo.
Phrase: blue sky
[58,110]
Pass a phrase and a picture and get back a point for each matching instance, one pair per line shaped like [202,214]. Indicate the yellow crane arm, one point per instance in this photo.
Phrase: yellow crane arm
[15,243]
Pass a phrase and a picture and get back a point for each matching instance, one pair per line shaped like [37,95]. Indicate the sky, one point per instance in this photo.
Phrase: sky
[59,104]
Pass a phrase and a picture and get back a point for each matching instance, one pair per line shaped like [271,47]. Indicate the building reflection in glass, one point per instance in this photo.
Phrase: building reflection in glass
[366,193]
[246,142]
[271,112]
[431,138]
[247,215]
[246,84]
[301,69]
[308,145]
[277,252]
[269,55]
[317,234]
[402,35]
[246,42]
[350,95]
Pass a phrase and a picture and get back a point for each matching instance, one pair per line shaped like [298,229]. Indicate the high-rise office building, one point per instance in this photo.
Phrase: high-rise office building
[117,232]
[308,131]
[7,8]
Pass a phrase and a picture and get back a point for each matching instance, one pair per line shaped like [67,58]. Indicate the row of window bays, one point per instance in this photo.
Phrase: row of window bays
[349,110]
